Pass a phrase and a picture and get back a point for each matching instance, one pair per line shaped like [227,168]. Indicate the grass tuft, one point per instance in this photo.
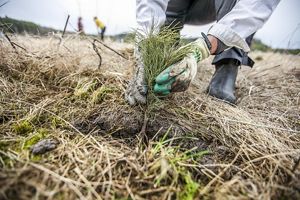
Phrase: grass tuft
[100,94]
[84,87]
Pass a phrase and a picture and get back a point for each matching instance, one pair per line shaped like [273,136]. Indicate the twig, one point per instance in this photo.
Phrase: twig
[98,53]
[142,134]
[66,24]
[11,43]
[23,48]
[64,31]
[110,49]
[128,188]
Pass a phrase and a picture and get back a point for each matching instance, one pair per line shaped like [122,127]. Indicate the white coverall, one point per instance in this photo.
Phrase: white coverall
[246,17]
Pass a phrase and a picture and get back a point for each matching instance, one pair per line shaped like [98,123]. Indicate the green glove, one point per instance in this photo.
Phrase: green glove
[177,77]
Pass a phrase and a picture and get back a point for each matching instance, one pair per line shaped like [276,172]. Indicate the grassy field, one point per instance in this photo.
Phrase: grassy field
[192,146]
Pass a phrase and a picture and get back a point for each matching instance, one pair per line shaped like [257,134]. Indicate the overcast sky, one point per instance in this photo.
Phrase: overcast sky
[282,30]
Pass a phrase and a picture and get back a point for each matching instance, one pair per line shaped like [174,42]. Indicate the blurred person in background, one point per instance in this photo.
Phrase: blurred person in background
[100,26]
[80,26]
[228,40]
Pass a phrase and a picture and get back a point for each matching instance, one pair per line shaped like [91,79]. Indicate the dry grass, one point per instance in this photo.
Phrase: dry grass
[196,146]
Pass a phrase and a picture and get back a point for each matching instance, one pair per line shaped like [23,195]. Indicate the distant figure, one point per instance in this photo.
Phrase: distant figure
[80,25]
[100,25]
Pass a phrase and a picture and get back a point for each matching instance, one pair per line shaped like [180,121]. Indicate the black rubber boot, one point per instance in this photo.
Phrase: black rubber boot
[222,84]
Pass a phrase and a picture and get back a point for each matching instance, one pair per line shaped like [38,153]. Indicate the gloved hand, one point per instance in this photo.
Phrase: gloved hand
[178,76]
[136,91]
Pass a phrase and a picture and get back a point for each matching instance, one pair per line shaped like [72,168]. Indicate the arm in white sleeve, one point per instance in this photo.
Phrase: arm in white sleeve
[244,19]
[150,13]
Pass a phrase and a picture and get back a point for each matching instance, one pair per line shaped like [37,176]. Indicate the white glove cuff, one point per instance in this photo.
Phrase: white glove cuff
[201,49]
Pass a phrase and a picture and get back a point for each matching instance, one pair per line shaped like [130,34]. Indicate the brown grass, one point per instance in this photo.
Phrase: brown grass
[252,148]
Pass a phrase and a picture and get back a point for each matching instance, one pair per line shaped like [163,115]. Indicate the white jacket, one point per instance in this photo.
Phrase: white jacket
[244,19]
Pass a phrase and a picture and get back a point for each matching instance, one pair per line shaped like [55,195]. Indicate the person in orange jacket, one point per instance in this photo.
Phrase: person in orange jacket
[100,25]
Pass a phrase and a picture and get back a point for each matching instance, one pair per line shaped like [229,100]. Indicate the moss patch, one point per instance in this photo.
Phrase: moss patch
[35,138]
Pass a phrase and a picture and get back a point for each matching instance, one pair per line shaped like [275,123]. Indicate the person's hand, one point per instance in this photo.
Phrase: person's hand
[136,91]
[177,77]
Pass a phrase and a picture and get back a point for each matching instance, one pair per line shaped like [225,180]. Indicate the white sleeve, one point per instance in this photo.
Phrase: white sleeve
[244,19]
[150,13]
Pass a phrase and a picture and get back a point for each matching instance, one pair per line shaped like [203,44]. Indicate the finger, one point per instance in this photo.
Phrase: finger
[169,73]
[165,93]
[159,89]
[130,99]
[181,82]
[143,89]
[164,88]
[141,99]
[164,76]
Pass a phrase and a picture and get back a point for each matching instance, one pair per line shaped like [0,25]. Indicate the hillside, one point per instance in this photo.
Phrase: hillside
[11,25]
[192,147]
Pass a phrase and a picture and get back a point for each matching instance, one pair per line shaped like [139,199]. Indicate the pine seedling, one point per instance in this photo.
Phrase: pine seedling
[159,51]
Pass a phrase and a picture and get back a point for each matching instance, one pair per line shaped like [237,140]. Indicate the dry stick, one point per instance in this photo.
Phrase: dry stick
[143,136]
[111,49]
[23,48]
[97,52]
[128,188]
[11,43]
[3,4]
[109,176]
[65,26]
[64,31]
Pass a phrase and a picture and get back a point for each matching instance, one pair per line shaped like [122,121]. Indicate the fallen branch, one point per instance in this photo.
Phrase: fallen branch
[66,24]
[23,48]
[111,49]
[142,136]
[11,43]
[64,31]
[98,53]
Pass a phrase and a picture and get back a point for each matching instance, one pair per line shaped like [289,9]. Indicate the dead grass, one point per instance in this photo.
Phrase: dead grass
[195,147]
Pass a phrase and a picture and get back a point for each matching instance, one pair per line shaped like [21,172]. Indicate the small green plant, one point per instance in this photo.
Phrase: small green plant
[170,168]
[190,188]
[23,127]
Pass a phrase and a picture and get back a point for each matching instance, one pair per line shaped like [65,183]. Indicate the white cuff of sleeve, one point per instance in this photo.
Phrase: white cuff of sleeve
[228,36]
